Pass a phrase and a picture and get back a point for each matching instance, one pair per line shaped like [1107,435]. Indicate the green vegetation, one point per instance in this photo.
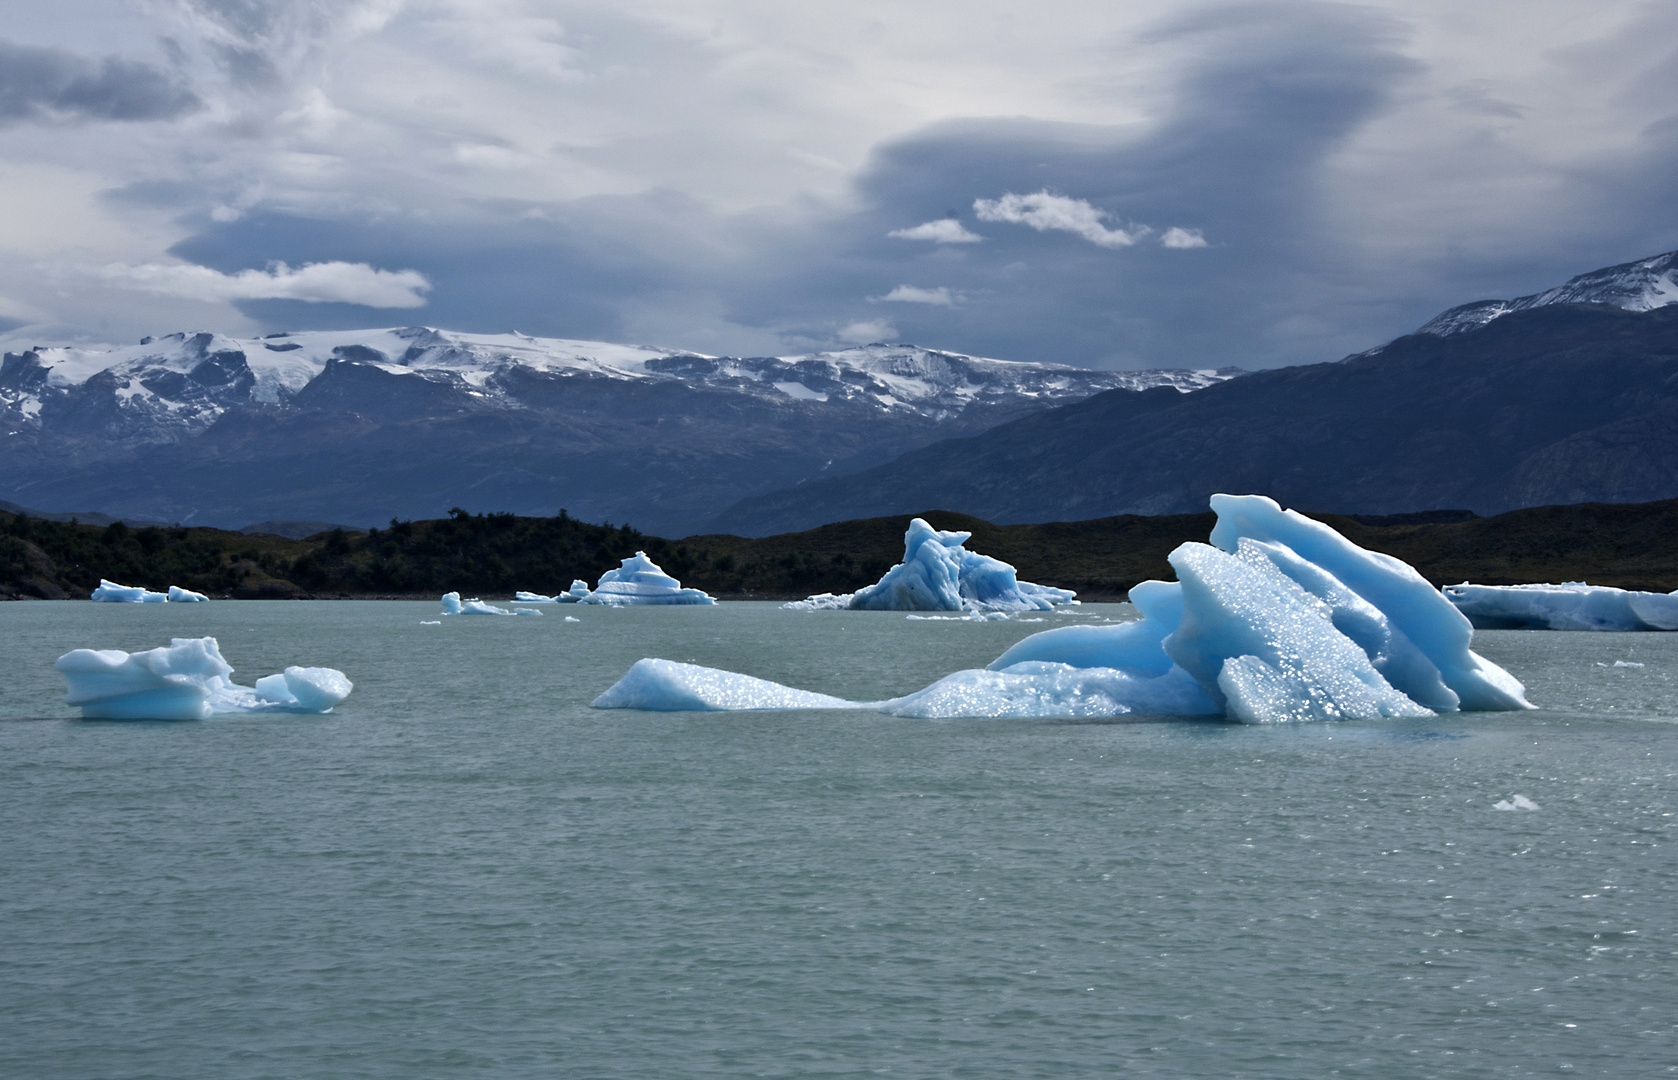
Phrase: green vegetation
[1632,546]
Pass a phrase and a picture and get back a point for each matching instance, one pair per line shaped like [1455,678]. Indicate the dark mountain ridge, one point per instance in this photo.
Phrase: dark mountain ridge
[1559,403]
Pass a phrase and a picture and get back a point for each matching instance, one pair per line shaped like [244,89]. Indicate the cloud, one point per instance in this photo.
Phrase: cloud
[313,283]
[1175,237]
[942,231]
[868,332]
[909,294]
[45,86]
[1044,211]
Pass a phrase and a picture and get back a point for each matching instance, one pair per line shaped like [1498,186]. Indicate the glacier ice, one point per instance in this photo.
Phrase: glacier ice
[1572,605]
[454,605]
[188,680]
[111,593]
[577,591]
[640,581]
[1279,619]
[938,573]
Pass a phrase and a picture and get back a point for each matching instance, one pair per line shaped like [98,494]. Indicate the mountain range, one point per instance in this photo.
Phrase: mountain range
[362,426]
[1566,396]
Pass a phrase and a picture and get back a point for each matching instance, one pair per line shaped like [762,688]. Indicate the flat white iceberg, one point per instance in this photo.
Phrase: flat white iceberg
[1280,619]
[938,573]
[577,592]
[188,680]
[640,581]
[454,605]
[1572,605]
[110,592]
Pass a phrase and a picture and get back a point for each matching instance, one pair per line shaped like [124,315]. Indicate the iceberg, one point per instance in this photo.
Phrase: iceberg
[1572,605]
[577,592]
[640,581]
[454,605]
[1279,619]
[938,573]
[178,595]
[111,593]
[188,680]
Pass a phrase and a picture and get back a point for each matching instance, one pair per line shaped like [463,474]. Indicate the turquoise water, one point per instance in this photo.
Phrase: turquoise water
[465,871]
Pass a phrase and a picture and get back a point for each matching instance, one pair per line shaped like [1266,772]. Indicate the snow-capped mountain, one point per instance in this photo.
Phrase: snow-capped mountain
[359,426]
[175,386]
[1643,285]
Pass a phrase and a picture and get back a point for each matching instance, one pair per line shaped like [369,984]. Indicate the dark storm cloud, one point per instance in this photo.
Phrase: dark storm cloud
[1273,90]
[51,85]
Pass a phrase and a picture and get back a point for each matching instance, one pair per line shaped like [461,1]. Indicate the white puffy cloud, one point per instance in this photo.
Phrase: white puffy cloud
[1175,237]
[314,283]
[1044,211]
[868,331]
[942,231]
[910,294]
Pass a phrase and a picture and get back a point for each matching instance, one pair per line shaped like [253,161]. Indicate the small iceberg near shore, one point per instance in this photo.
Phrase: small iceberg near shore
[109,592]
[640,581]
[188,680]
[1572,605]
[1279,619]
[938,573]
[577,592]
[454,605]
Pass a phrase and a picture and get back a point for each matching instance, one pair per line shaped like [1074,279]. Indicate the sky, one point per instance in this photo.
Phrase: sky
[1148,183]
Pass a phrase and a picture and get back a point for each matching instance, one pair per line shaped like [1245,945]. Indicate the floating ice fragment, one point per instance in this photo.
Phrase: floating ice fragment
[188,680]
[1289,621]
[178,595]
[111,593]
[939,574]
[1572,605]
[572,618]
[454,605]
[533,598]
[1518,802]
[640,581]
[431,622]
[666,686]
[1619,663]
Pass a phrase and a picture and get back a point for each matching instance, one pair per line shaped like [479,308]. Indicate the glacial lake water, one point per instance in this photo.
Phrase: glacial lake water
[467,872]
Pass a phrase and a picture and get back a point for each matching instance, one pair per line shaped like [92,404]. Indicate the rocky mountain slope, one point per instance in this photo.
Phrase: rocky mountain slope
[1557,403]
[362,426]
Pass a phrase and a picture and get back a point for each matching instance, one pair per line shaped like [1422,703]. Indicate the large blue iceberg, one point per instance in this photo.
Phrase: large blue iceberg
[1572,605]
[938,573]
[1280,618]
[640,581]
[188,680]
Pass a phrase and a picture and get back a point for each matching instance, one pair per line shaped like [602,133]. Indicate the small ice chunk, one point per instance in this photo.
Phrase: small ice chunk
[533,598]
[454,605]
[1518,802]
[178,595]
[188,680]
[431,622]
[667,686]
[640,581]
[110,592]
[1572,605]
[572,618]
